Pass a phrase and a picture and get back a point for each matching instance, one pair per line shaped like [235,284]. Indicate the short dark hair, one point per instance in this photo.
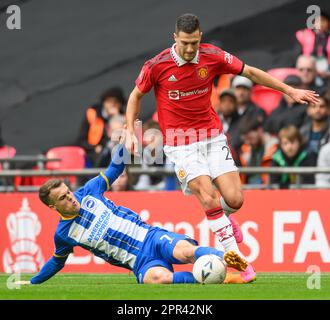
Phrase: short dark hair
[45,189]
[114,92]
[293,80]
[250,123]
[187,23]
[229,93]
[325,15]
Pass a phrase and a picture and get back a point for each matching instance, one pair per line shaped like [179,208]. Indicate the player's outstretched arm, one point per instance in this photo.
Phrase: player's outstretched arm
[52,266]
[117,165]
[104,180]
[132,113]
[299,95]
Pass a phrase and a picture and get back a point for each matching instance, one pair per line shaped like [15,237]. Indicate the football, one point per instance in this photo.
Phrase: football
[209,269]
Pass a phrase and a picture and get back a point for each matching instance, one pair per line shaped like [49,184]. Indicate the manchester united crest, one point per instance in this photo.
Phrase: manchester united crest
[202,73]
[181,174]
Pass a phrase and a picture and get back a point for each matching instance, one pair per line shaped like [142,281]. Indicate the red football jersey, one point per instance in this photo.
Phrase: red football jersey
[183,91]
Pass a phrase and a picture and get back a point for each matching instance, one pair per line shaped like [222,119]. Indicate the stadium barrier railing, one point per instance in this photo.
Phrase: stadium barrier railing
[7,185]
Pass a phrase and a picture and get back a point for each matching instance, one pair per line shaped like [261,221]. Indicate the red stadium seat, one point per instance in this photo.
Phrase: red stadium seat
[266,98]
[7,152]
[72,157]
[33,181]
[282,73]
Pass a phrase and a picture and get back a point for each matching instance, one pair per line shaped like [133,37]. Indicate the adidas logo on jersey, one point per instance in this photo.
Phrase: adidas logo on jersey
[172,78]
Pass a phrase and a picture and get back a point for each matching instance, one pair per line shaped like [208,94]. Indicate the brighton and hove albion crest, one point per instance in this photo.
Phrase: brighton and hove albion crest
[202,73]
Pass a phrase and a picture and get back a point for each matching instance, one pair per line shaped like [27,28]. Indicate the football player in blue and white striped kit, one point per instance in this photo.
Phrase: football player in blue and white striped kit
[117,234]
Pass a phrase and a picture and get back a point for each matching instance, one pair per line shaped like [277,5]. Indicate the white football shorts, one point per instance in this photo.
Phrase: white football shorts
[210,157]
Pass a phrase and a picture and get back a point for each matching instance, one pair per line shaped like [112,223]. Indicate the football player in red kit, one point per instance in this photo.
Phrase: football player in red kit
[182,78]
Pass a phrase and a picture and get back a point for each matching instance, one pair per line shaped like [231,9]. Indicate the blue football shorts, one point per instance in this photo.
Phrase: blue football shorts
[157,251]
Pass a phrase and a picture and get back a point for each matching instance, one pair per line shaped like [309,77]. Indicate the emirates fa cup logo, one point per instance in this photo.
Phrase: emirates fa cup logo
[24,255]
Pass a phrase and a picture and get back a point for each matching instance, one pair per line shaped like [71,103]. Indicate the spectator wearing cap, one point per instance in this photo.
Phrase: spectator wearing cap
[227,112]
[92,136]
[316,42]
[288,111]
[306,66]
[245,107]
[257,150]
[315,130]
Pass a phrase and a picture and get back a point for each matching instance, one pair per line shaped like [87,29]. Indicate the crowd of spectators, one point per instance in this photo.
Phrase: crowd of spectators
[292,135]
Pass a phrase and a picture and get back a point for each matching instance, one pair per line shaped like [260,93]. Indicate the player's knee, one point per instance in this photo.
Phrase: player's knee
[184,251]
[189,253]
[161,277]
[235,199]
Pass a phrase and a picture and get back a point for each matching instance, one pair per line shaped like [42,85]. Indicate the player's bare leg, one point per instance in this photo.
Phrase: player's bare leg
[219,223]
[229,185]
[203,189]
[184,251]
[158,275]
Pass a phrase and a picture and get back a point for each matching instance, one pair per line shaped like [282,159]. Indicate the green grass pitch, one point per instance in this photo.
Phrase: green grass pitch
[123,286]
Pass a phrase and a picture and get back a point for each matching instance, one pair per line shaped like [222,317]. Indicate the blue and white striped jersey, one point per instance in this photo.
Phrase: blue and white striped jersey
[111,232]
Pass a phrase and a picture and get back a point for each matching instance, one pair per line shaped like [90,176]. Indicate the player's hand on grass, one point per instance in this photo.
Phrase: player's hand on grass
[304,96]
[22,282]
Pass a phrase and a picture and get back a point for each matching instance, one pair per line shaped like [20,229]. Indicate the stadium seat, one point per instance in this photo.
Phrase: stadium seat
[282,73]
[266,98]
[37,180]
[7,152]
[72,157]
